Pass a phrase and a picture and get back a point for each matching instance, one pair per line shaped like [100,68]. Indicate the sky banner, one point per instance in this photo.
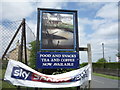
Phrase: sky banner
[19,74]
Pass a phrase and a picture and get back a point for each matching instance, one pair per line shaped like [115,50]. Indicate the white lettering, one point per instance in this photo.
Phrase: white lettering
[45,60]
[55,60]
[71,56]
[46,64]
[27,74]
[63,64]
[21,73]
[67,60]
[16,72]
[45,55]
[36,77]
[56,55]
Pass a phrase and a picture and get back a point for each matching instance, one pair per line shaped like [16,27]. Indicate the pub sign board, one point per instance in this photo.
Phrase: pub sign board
[54,60]
[57,29]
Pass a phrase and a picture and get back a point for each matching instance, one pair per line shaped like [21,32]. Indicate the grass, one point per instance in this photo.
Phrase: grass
[107,76]
[3,83]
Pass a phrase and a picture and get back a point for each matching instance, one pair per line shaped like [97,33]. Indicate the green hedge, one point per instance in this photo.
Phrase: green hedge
[111,65]
[83,64]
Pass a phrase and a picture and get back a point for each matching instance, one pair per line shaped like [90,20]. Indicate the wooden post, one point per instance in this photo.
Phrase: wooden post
[89,61]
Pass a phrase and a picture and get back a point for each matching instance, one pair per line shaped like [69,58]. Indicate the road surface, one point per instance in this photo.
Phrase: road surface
[101,82]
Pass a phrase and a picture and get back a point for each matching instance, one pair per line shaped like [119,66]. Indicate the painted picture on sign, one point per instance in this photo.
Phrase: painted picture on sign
[57,30]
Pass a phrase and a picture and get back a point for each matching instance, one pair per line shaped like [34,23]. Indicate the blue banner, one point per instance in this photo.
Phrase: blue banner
[53,60]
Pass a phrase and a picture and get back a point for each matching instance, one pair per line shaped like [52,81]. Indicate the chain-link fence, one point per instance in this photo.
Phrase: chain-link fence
[11,44]
[8,30]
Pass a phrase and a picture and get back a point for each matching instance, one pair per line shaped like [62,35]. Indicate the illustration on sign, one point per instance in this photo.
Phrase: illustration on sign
[57,30]
[57,60]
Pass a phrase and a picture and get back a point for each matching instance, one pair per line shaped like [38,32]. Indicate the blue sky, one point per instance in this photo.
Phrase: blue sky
[97,21]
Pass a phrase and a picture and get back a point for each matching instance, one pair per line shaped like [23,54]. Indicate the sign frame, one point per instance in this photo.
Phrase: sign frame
[39,29]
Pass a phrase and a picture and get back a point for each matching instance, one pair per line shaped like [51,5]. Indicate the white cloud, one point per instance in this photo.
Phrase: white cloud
[16,0]
[98,23]
[0,11]
[50,4]
[85,21]
[95,0]
[110,31]
[31,29]
[103,31]
[16,10]
[82,34]
[32,26]
[86,6]
[108,11]
[61,0]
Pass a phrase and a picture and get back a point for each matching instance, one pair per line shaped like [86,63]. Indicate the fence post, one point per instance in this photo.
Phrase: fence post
[24,37]
[20,51]
[89,62]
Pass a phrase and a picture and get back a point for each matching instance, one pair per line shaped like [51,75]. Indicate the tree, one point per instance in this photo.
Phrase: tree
[32,62]
[118,54]
[101,60]
[32,59]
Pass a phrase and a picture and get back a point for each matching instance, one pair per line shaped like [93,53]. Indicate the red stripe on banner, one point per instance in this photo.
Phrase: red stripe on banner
[41,78]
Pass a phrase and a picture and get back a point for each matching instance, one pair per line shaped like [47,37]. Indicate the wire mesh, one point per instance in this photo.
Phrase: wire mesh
[7,31]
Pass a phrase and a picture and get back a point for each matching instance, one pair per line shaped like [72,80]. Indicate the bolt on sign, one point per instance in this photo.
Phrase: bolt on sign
[57,31]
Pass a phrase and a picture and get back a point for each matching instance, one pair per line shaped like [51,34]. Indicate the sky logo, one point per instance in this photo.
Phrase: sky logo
[20,73]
